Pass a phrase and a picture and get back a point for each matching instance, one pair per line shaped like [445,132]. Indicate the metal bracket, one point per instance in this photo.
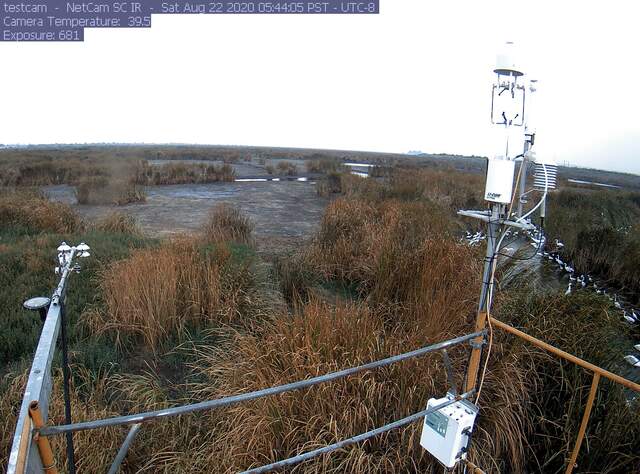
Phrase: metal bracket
[483,216]
[478,345]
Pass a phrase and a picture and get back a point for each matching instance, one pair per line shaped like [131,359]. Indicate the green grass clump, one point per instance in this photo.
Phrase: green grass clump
[32,229]
[601,233]
[27,269]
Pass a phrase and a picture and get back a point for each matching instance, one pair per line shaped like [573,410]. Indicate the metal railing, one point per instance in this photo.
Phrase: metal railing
[245,397]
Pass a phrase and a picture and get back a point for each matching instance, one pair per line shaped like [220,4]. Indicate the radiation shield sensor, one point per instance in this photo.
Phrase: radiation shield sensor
[446,432]
[545,177]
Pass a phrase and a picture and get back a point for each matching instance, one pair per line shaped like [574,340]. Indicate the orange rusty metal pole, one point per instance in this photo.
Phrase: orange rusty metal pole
[44,448]
[565,355]
[476,353]
[473,468]
[585,422]
[21,463]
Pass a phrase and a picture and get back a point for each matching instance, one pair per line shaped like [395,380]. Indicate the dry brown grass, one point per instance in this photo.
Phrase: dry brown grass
[359,238]
[158,293]
[159,447]
[94,449]
[325,338]
[323,165]
[228,224]
[118,223]
[101,190]
[296,276]
[287,168]
[31,211]
[321,338]
[450,188]
[183,173]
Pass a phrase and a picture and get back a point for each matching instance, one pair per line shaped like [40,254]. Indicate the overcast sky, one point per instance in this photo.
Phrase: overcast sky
[415,77]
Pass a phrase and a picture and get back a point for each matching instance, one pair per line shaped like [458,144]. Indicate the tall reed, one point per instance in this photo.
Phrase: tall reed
[158,293]
[227,223]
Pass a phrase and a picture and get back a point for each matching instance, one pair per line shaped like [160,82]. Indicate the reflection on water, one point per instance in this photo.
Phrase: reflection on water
[359,165]
[579,181]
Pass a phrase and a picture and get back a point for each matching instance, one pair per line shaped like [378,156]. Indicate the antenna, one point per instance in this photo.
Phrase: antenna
[529,141]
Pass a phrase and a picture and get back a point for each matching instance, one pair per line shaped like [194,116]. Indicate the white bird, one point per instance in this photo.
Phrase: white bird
[559,244]
[571,277]
[568,289]
[632,360]
[629,319]
[637,346]
[616,303]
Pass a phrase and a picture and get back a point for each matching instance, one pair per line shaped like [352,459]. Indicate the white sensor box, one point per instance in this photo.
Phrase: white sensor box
[446,432]
[499,180]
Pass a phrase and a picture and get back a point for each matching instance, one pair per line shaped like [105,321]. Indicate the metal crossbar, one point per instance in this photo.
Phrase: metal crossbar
[124,449]
[356,439]
[245,397]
